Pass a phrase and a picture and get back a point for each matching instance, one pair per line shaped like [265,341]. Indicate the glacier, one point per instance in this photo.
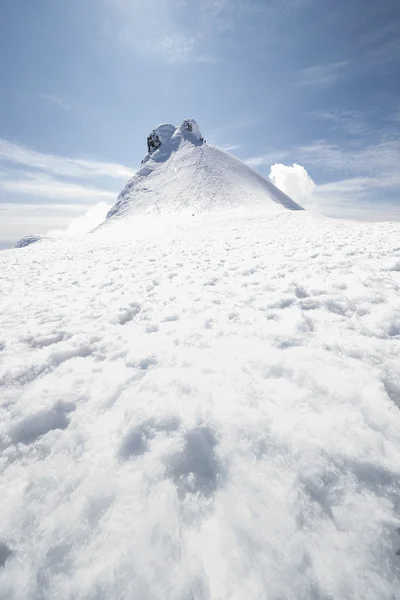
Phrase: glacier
[200,399]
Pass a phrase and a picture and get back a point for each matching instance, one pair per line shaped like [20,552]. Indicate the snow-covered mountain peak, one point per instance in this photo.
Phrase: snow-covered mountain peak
[182,173]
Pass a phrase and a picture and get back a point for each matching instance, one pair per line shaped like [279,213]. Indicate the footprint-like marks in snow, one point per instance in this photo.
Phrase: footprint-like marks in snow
[34,426]
[196,468]
[136,441]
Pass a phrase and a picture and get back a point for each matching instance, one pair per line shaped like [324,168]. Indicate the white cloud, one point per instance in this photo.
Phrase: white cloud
[42,185]
[266,159]
[294,181]
[369,159]
[65,104]
[322,76]
[351,122]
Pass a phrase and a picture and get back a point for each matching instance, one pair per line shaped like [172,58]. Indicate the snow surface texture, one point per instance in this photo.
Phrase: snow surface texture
[185,173]
[205,410]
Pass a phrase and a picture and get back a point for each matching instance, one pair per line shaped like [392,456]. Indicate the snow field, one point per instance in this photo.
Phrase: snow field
[203,408]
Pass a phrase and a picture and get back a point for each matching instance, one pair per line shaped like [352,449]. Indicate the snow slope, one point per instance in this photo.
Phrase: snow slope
[185,173]
[206,410]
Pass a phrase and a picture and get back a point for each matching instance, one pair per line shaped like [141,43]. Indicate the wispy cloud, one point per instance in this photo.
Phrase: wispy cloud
[371,159]
[319,77]
[361,198]
[381,45]
[182,31]
[44,186]
[354,122]
[162,29]
[66,104]
[177,48]
[380,158]
[58,165]
[232,147]
[267,158]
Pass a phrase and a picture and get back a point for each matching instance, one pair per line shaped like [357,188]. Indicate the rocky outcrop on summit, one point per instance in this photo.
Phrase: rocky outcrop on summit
[182,172]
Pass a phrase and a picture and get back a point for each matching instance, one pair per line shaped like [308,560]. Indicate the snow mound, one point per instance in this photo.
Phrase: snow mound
[182,172]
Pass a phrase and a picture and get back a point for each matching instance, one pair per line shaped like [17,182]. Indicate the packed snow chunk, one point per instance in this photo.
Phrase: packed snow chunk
[190,130]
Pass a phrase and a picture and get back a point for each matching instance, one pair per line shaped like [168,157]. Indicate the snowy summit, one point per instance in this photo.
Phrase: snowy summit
[202,405]
[193,176]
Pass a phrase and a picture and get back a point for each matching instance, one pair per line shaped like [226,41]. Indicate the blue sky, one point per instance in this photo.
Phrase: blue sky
[276,82]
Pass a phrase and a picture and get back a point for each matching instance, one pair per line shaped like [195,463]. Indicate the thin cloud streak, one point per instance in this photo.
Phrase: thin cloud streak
[319,77]
[42,185]
[62,166]
[65,104]
[370,159]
